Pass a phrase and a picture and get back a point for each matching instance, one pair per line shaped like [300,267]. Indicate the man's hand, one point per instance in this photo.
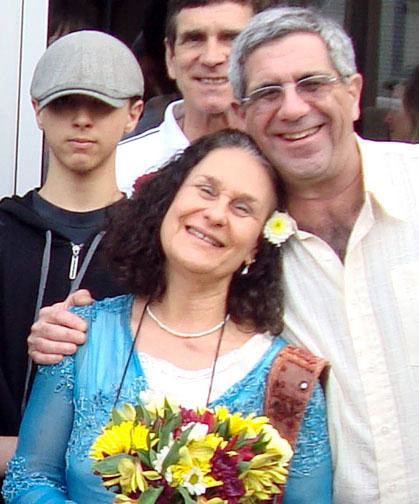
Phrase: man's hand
[57,332]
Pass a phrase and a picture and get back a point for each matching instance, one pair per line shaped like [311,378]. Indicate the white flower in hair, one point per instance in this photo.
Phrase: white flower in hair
[278,228]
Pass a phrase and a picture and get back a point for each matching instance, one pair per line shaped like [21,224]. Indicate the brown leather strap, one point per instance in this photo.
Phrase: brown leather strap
[290,384]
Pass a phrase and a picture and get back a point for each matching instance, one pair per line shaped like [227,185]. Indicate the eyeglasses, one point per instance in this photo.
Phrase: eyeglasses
[309,89]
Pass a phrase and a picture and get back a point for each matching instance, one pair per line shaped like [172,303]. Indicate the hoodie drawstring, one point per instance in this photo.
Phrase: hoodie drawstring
[41,292]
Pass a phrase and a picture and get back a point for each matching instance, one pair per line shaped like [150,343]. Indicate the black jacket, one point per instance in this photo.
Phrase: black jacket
[24,265]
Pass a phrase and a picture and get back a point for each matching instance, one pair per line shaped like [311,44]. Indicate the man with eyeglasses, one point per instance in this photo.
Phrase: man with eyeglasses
[352,268]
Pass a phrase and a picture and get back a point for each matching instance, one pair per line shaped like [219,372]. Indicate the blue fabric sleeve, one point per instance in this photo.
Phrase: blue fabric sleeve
[36,473]
[310,479]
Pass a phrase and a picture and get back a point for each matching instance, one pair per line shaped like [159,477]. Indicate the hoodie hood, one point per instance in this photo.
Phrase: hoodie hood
[22,209]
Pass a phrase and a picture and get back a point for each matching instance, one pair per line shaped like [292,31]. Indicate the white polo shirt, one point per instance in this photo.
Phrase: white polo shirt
[363,316]
[148,151]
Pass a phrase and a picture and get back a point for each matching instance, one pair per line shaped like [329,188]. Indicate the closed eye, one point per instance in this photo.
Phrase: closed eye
[242,208]
[207,190]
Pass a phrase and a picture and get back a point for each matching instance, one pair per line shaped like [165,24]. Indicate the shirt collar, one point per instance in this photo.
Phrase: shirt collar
[379,183]
[379,179]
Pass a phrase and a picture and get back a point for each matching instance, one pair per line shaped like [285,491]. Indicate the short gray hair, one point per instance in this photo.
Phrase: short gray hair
[276,23]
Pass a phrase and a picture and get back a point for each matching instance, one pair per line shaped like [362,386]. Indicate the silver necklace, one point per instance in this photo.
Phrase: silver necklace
[186,335]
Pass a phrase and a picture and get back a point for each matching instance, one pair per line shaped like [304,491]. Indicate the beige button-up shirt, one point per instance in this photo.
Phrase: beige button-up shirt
[363,316]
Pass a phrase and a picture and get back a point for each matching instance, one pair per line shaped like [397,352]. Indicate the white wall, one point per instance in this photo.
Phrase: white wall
[22,41]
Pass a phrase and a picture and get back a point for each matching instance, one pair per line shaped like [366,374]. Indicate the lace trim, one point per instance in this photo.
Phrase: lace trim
[93,413]
[20,479]
[116,304]
[65,371]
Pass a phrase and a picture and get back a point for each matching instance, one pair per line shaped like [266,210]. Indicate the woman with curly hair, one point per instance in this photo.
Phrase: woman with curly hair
[199,327]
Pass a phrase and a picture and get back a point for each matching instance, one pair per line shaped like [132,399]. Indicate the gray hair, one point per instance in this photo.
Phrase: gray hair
[276,23]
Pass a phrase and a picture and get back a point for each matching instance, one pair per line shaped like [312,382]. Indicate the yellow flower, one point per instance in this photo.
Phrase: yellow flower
[123,499]
[249,426]
[202,449]
[194,478]
[221,413]
[277,445]
[193,467]
[278,228]
[215,500]
[266,472]
[122,438]
[132,476]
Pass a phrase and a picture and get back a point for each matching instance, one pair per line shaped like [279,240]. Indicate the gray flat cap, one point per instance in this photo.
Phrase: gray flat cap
[90,63]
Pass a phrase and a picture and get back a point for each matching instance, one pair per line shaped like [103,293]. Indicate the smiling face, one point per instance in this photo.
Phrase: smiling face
[306,141]
[82,132]
[198,60]
[214,223]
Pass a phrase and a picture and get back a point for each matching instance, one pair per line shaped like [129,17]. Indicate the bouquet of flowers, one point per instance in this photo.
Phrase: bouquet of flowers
[160,452]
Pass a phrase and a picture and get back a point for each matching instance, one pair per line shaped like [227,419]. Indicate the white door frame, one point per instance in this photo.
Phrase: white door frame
[23,40]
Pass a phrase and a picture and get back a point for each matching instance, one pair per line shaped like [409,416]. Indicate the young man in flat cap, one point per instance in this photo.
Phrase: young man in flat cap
[86,92]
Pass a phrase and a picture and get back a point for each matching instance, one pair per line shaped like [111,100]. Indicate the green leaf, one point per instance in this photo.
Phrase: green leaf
[185,494]
[109,465]
[260,446]
[173,455]
[143,414]
[117,418]
[223,430]
[144,457]
[150,495]
[243,466]
[241,441]
[167,428]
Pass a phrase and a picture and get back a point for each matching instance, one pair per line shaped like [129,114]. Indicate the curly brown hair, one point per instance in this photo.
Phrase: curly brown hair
[133,248]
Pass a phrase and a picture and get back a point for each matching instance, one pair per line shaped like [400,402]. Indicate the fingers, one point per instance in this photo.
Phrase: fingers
[56,333]
[81,297]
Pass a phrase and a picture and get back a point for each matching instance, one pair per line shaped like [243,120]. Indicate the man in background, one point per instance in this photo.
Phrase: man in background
[199,35]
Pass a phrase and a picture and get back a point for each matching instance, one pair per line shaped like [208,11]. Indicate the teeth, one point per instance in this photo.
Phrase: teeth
[300,134]
[203,237]
[219,80]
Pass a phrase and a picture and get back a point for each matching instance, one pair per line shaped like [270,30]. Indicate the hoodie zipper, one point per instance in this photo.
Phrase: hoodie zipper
[74,264]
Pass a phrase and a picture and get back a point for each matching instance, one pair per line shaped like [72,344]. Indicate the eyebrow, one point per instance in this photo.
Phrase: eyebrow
[216,183]
[277,83]
[187,34]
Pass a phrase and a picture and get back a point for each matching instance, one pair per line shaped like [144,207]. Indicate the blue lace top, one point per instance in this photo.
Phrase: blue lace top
[71,402]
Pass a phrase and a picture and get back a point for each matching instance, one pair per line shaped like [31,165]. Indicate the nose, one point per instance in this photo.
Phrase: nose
[82,116]
[293,106]
[216,212]
[214,53]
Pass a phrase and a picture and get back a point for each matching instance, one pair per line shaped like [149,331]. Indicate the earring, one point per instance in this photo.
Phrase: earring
[245,270]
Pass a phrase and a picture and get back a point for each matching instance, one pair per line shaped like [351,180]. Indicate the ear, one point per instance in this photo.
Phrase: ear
[169,56]
[355,89]
[251,258]
[38,114]
[238,114]
[134,114]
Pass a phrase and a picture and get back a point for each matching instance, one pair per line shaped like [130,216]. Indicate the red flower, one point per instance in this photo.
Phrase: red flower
[140,181]
[224,468]
[206,418]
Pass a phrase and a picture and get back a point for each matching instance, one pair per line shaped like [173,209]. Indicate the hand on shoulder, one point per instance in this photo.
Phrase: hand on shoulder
[58,332]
